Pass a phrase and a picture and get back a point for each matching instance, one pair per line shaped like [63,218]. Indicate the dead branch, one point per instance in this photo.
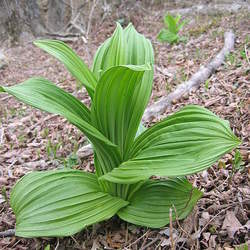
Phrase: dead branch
[65,37]
[7,233]
[85,151]
[212,9]
[90,17]
[199,77]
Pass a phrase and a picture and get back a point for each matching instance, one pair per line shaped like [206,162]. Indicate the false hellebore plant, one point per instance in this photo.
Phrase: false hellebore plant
[126,155]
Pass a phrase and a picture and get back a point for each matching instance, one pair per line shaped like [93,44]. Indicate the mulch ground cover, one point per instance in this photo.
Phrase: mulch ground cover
[35,140]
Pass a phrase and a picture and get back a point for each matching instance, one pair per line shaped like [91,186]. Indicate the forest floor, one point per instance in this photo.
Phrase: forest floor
[34,140]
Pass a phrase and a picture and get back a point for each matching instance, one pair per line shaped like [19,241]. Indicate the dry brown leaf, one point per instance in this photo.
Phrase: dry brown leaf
[231,224]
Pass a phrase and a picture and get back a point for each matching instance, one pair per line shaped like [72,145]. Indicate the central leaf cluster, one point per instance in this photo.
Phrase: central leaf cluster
[126,155]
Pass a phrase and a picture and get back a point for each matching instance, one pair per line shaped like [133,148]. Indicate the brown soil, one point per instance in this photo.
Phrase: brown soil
[35,140]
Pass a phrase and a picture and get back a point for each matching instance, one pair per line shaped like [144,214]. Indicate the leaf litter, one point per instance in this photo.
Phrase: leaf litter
[221,218]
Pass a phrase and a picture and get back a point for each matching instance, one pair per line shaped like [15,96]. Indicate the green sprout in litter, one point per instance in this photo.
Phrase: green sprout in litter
[126,154]
[171,31]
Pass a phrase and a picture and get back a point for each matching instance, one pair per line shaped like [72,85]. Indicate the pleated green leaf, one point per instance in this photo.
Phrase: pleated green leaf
[149,206]
[72,62]
[124,47]
[127,47]
[117,108]
[110,53]
[139,49]
[60,203]
[44,95]
[187,142]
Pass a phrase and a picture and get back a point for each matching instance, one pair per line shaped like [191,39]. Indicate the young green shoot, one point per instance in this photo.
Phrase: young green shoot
[170,33]
[58,203]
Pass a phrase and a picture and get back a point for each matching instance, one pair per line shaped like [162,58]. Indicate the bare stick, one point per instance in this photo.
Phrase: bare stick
[90,18]
[171,229]
[149,244]
[137,240]
[199,77]
[211,9]
[85,151]
[7,233]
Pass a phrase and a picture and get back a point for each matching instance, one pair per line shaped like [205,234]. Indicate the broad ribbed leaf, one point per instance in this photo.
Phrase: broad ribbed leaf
[110,53]
[60,203]
[117,108]
[127,47]
[42,94]
[149,206]
[187,142]
[139,49]
[72,62]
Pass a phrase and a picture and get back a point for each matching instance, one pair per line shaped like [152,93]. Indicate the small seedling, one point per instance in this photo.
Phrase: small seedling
[52,149]
[171,31]
[242,247]
[71,161]
[47,247]
[207,84]
[243,54]
[4,194]
[45,133]
[238,163]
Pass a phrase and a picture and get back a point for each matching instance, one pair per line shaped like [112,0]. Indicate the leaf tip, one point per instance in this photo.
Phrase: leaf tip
[37,42]
[2,89]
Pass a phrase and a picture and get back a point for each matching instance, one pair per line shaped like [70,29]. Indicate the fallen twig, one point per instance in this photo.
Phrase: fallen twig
[85,151]
[199,77]
[137,240]
[90,17]
[7,233]
[171,230]
[150,244]
[211,9]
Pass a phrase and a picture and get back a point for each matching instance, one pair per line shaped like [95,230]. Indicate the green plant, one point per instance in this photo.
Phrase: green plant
[207,84]
[126,155]
[52,149]
[71,161]
[172,27]
[238,163]
[242,247]
[4,193]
